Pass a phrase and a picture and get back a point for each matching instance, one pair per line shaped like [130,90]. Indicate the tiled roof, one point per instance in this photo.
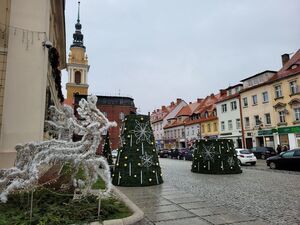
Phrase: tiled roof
[287,70]
[185,111]
[228,97]
[160,114]
[284,72]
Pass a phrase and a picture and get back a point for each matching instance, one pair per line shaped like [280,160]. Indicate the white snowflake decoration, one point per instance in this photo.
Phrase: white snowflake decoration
[142,132]
[147,160]
[208,153]
[33,159]
[230,161]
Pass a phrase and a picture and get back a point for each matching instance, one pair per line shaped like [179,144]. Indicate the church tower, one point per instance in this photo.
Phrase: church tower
[77,66]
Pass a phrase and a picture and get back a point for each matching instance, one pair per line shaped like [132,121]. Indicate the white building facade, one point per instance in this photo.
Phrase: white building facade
[229,115]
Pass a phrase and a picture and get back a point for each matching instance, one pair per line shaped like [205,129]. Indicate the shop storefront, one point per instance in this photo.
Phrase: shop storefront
[266,138]
[289,136]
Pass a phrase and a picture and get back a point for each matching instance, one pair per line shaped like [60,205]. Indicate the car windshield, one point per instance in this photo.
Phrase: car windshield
[245,151]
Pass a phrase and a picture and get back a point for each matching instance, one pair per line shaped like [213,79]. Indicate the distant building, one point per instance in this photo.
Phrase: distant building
[32,53]
[115,108]
[228,109]
[159,119]
[285,99]
[257,110]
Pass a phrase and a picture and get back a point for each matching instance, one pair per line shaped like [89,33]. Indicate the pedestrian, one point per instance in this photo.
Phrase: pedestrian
[284,148]
[278,149]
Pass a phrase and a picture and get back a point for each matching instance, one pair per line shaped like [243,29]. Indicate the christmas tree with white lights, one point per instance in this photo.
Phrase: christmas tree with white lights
[215,156]
[137,161]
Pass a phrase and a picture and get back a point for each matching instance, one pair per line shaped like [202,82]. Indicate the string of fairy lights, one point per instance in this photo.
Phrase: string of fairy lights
[26,36]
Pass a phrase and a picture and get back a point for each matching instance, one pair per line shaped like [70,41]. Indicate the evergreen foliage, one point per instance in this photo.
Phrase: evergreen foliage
[215,156]
[137,161]
[56,208]
[107,150]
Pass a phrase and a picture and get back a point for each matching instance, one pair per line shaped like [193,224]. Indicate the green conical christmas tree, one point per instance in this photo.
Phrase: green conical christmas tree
[216,156]
[107,150]
[137,161]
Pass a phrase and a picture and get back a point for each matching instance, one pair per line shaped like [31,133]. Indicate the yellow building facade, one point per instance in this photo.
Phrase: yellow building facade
[209,128]
[286,103]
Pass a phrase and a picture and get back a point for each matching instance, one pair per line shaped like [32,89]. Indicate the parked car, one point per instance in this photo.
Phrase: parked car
[189,155]
[285,160]
[263,152]
[182,152]
[245,156]
[164,153]
[174,153]
[114,153]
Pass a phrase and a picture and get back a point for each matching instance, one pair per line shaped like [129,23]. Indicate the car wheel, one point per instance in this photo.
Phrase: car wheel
[273,165]
[263,157]
[240,163]
[253,163]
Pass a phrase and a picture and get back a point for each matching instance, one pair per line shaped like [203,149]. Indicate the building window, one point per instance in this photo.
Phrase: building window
[297,114]
[208,128]
[265,97]
[293,87]
[257,120]
[281,117]
[224,108]
[122,116]
[247,122]
[222,125]
[268,118]
[229,124]
[206,114]
[77,77]
[238,124]
[278,92]
[233,105]
[215,127]
[203,129]
[245,102]
[254,99]
[230,92]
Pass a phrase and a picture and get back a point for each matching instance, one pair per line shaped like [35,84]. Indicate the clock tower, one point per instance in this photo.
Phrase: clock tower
[77,65]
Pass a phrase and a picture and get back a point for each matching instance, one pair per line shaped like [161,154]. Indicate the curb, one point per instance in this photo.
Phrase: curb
[137,215]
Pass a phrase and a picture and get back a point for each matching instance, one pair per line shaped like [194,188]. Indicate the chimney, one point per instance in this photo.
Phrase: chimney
[163,108]
[172,103]
[178,100]
[285,58]
[199,100]
[223,92]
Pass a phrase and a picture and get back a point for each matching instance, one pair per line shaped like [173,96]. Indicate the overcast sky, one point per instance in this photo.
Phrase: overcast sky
[160,50]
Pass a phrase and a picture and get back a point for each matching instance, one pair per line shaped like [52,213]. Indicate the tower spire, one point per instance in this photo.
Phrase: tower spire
[78,17]
[78,36]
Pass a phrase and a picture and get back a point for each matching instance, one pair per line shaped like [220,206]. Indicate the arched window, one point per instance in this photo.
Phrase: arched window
[77,77]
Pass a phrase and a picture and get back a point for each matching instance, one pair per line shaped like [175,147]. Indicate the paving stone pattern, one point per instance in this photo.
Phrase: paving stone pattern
[258,196]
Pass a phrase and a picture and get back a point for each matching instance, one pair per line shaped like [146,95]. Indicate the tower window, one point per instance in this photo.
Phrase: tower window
[77,77]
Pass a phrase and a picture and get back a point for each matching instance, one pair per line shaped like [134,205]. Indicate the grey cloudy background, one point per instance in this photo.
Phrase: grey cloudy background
[160,50]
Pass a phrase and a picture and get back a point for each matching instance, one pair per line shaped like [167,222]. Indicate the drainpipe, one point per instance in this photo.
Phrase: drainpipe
[242,123]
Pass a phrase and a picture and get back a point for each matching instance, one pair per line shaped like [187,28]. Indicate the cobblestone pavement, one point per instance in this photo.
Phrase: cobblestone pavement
[258,196]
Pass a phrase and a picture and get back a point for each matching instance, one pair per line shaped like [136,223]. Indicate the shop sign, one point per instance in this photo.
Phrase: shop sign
[266,132]
[287,130]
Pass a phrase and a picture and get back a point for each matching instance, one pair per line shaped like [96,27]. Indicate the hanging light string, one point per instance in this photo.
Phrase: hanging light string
[27,36]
